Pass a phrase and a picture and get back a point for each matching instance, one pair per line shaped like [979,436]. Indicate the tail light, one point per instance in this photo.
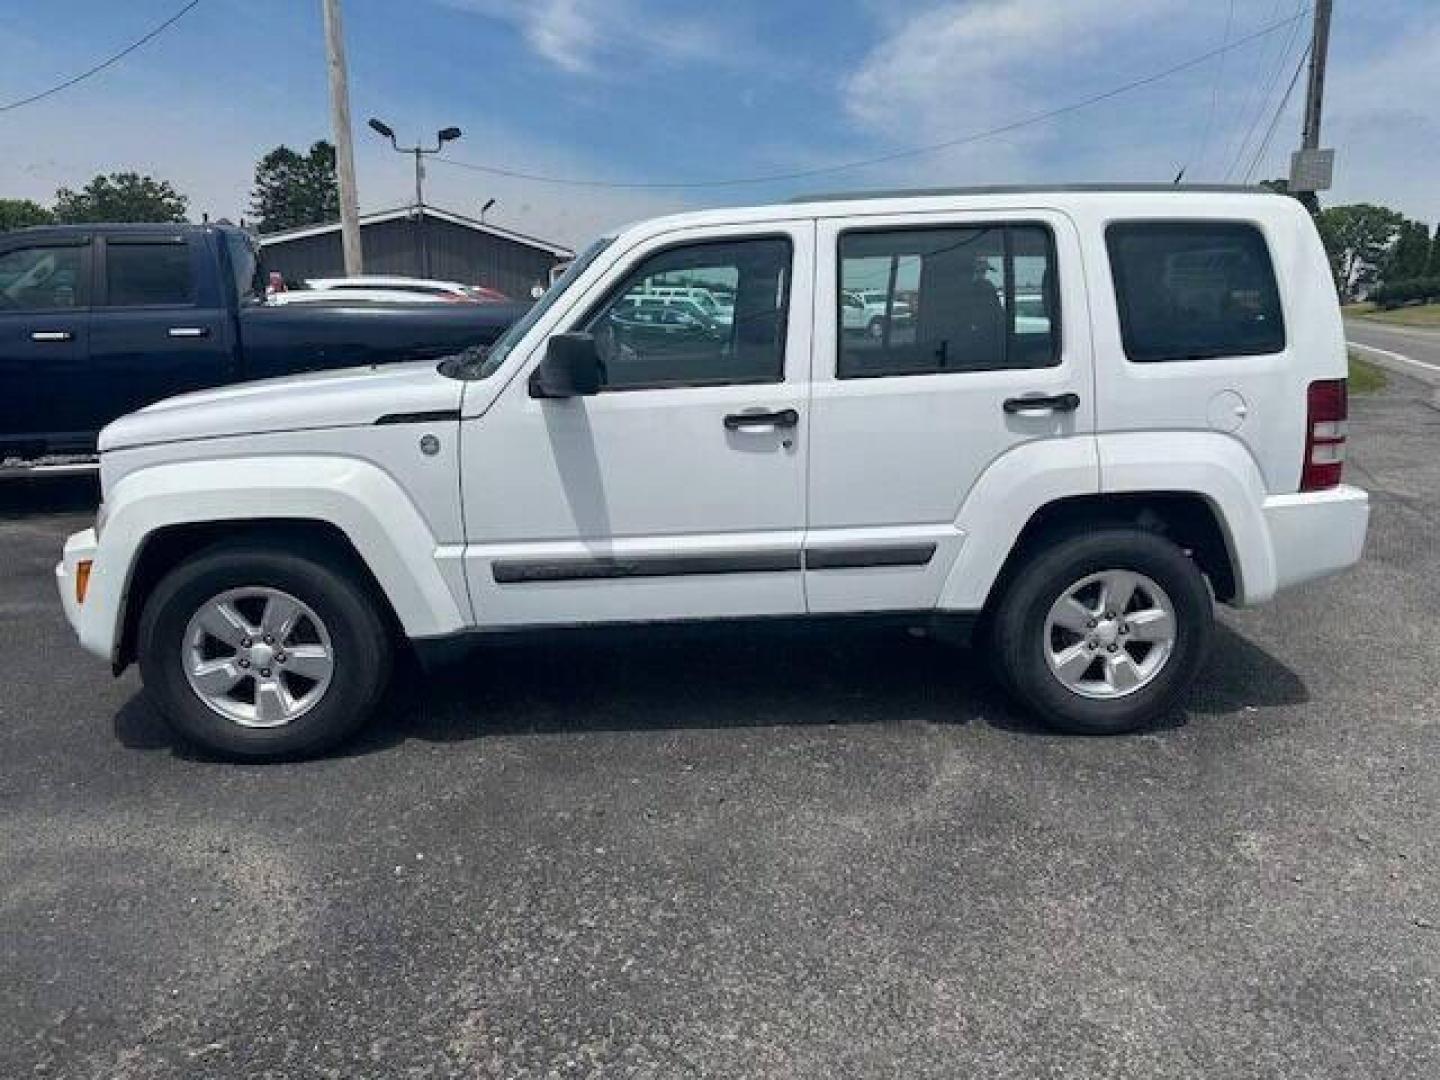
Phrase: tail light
[1326,425]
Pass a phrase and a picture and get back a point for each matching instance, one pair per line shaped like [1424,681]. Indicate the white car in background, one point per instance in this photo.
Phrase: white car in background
[864,310]
[709,304]
[389,289]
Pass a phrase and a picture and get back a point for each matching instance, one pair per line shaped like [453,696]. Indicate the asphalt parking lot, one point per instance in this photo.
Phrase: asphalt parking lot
[785,856]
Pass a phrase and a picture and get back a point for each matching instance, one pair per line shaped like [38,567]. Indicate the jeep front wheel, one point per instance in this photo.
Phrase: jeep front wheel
[1101,632]
[261,654]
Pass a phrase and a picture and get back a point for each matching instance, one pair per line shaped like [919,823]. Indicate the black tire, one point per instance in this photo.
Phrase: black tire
[1017,632]
[362,648]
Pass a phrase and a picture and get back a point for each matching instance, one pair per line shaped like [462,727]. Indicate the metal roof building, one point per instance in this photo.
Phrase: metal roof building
[420,242]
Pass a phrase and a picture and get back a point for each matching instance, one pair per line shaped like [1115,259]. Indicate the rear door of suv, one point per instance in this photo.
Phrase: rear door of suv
[905,419]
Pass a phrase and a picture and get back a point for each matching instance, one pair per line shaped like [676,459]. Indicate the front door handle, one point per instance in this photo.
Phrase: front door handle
[1040,404]
[754,421]
[189,331]
[52,335]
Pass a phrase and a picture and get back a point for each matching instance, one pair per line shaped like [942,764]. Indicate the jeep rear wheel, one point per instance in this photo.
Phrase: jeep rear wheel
[1101,632]
[260,654]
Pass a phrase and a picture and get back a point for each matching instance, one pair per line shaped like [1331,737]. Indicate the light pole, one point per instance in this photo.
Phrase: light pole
[443,136]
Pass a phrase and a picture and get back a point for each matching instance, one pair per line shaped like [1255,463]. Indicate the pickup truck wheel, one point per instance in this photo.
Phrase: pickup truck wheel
[1101,632]
[262,654]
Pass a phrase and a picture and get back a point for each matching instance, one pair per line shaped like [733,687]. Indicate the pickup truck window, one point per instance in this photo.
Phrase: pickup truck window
[245,265]
[1190,290]
[42,278]
[652,335]
[947,300]
[148,274]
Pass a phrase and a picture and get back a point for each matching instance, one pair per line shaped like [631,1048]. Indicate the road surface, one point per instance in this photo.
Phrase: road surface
[831,854]
[1419,345]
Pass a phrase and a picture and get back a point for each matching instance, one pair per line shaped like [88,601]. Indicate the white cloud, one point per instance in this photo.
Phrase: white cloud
[976,62]
[598,37]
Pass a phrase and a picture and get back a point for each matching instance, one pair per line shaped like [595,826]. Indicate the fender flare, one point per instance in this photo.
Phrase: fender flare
[1011,490]
[1022,482]
[360,499]
[1219,468]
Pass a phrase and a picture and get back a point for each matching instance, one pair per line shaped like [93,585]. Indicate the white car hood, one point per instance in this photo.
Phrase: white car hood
[351,397]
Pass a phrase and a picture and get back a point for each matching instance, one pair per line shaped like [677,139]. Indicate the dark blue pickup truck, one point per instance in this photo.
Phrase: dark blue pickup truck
[99,320]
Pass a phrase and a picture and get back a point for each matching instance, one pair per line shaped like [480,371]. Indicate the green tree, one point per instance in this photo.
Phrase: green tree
[1433,270]
[1410,255]
[294,189]
[21,213]
[1357,238]
[122,196]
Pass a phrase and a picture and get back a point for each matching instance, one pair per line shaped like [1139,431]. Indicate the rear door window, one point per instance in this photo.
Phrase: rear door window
[1194,290]
[147,273]
[947,300]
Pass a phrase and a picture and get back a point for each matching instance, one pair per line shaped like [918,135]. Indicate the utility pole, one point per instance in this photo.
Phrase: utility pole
[344,148]
[1311,169]
[1314,97]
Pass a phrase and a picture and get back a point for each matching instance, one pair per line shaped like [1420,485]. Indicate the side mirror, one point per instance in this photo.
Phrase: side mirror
[571,368]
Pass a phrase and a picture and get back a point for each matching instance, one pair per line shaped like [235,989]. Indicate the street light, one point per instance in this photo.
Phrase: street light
[443,136]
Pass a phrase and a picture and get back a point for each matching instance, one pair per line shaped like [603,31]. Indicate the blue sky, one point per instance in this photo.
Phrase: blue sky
[662,90]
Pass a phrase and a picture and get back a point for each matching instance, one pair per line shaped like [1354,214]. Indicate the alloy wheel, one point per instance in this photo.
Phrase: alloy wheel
[1110,634]
[258,656]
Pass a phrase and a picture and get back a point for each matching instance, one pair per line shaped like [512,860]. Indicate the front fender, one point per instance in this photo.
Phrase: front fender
[356,497]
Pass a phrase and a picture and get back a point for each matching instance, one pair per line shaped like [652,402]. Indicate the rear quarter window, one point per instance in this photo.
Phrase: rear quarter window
[1193,290]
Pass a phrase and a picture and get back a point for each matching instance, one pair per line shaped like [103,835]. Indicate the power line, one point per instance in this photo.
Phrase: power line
[1215,87]
[1279,111]
[1254,81]
[108,62]
[1270,84]
[801,174]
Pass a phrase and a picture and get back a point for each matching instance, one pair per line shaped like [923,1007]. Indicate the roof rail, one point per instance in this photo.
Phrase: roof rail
[1032,189]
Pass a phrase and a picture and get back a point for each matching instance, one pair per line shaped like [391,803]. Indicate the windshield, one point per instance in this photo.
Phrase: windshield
[491,358]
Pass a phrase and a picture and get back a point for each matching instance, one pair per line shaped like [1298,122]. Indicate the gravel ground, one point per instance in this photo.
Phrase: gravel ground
[748,856]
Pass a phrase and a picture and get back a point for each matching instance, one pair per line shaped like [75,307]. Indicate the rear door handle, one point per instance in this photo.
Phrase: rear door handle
[189,331]
[1039,404]
[52,335]
[752,421]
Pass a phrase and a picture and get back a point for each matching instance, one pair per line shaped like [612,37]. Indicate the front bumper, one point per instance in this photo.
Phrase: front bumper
[1314,534]
[92,625]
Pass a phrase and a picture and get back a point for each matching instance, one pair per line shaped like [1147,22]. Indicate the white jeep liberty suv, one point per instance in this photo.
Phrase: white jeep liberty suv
[1162,426]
